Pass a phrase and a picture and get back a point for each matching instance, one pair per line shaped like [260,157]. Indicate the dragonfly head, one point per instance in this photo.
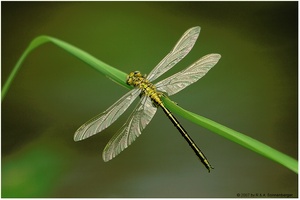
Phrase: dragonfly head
[134,78]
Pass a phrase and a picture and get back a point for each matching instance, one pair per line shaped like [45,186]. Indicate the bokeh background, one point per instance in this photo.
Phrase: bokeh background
[253,89]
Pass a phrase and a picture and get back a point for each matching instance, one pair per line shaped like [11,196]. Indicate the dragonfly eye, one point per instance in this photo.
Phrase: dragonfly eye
[131,77]
[137,74]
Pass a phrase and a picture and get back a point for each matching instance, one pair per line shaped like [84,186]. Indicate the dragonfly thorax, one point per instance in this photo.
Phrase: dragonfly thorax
[136,79]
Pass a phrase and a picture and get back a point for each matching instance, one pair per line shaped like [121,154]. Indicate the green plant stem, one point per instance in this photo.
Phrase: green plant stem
[110,72]
[120,78]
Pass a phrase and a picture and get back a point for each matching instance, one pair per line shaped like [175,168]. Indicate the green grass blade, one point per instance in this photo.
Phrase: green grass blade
[235,136]
[110,72]
[120,78]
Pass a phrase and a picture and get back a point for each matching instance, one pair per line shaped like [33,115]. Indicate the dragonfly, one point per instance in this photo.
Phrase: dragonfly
[150,99]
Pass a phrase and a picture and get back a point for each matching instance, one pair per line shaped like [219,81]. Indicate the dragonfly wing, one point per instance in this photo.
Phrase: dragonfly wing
[133,127]
[181,49]
[105,119]
[186,77]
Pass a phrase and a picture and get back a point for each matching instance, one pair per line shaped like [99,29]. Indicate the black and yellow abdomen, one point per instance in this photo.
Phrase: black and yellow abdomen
[136,79]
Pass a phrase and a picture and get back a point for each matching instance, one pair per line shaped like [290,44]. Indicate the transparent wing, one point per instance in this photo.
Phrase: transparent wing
[186,77]
[181,49]
[133,127]
[105,119]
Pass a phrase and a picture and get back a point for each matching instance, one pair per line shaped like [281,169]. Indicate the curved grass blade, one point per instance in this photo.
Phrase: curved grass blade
[110,72]
[235,136]
[120,78]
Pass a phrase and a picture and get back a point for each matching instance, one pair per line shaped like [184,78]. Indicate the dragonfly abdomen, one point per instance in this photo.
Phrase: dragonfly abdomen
[186,136]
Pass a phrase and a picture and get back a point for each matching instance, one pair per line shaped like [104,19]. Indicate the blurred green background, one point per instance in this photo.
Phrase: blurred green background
[253,89]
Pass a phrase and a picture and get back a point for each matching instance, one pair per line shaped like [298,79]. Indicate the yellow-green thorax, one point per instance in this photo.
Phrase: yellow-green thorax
[136,79]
